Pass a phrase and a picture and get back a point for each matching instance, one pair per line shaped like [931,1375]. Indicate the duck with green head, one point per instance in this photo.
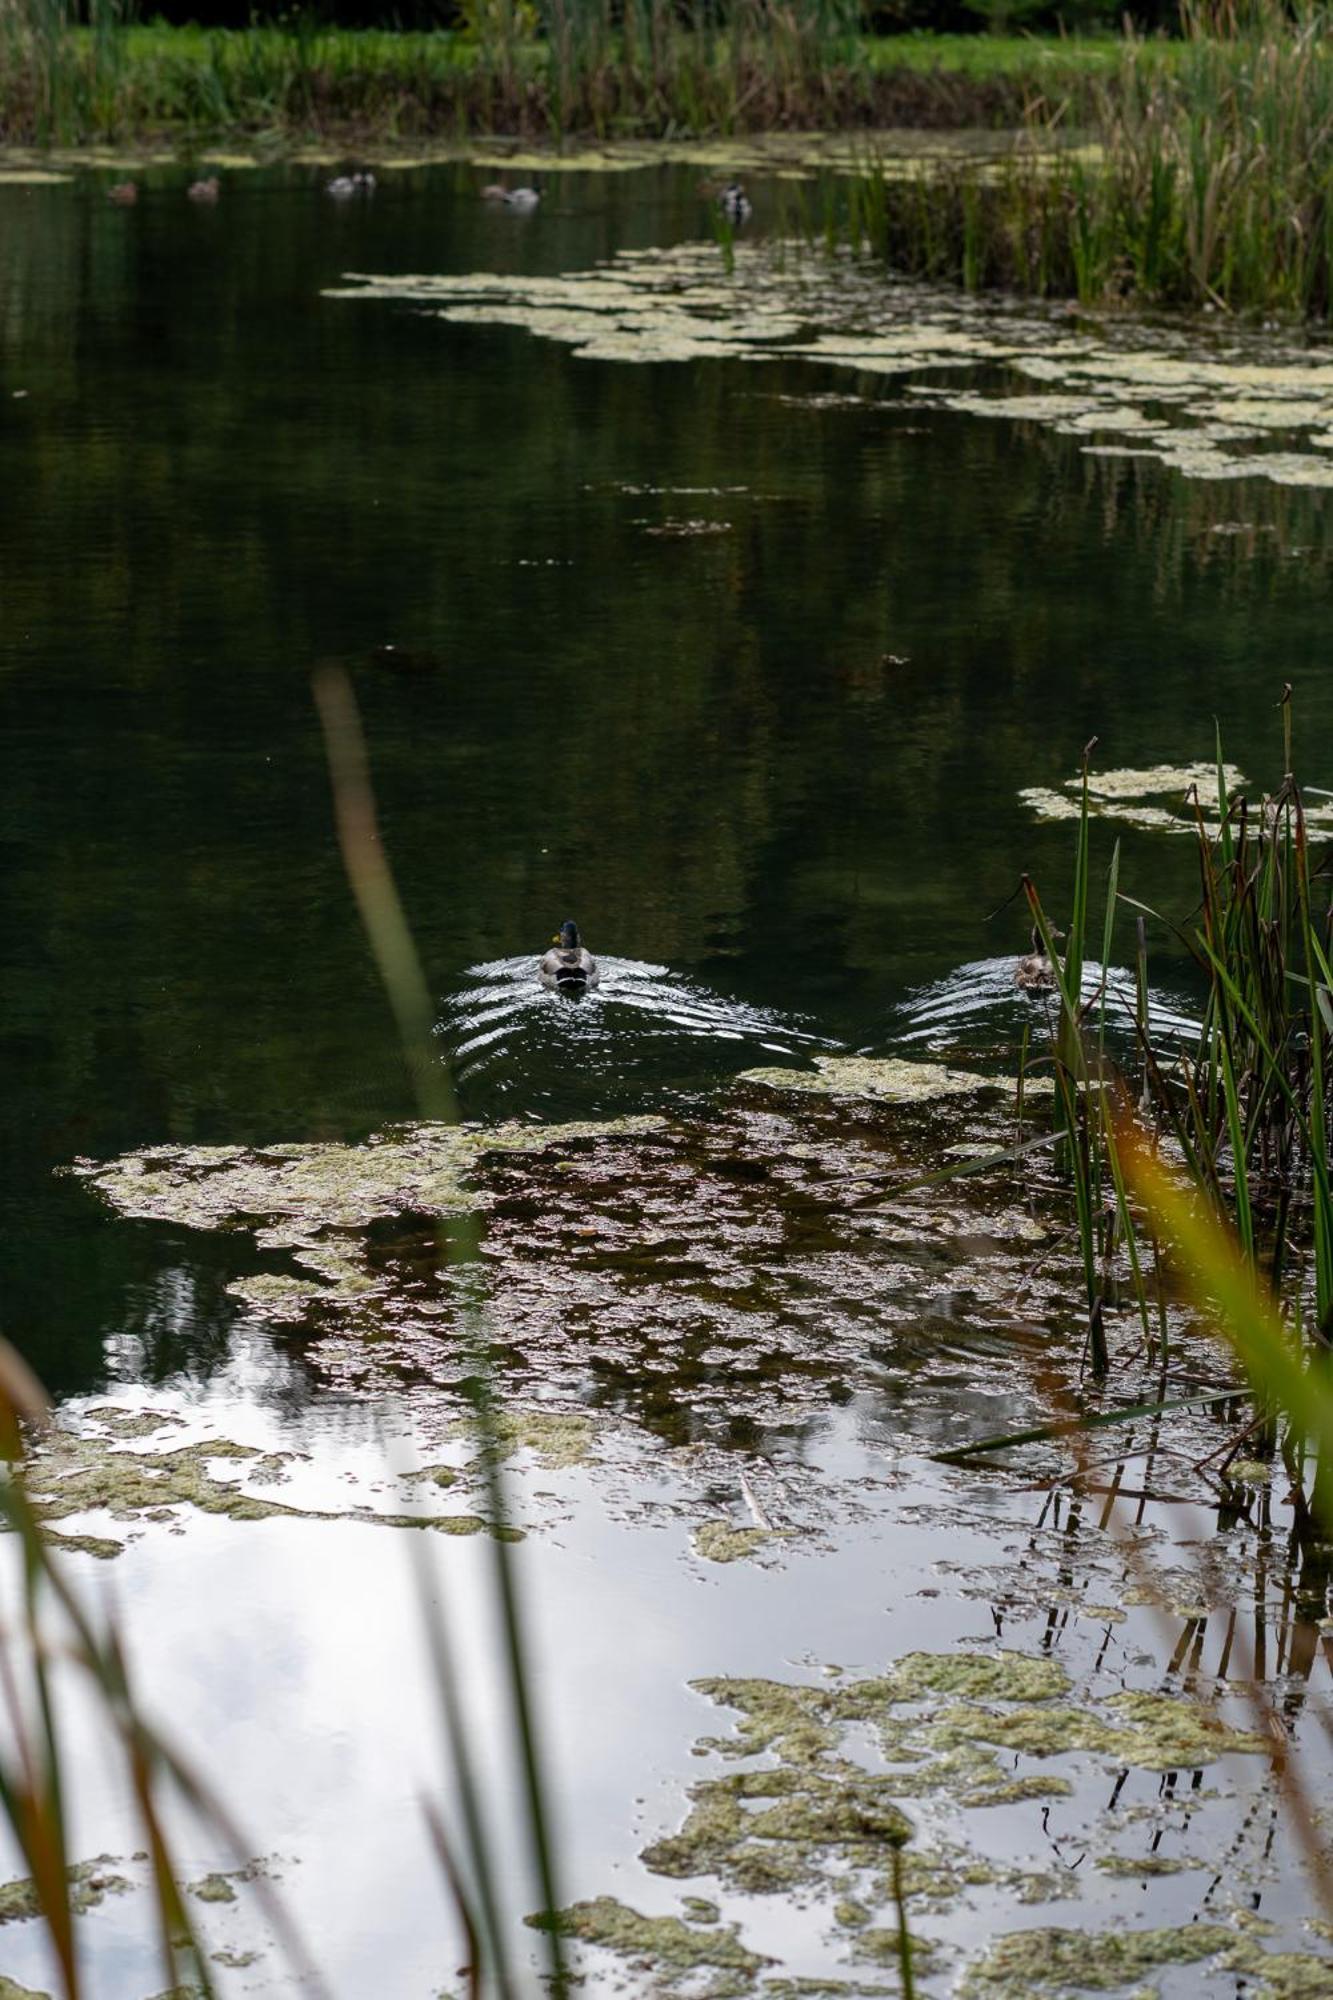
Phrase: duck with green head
[568,966]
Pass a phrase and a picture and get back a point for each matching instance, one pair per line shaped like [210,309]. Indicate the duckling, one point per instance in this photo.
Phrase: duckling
[568,965]
[735,203]
[205,190]
[123,193]
[1033,972]
[520,198]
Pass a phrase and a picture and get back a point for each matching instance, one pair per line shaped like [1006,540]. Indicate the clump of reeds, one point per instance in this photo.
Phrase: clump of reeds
[1210,184]
[1244,1114]
[547,68]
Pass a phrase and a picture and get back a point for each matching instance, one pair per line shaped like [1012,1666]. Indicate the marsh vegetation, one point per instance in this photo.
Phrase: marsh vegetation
[1208,184]
[539,68]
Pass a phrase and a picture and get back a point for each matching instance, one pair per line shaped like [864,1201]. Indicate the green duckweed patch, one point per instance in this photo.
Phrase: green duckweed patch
[421,1168]
[1133,1866]
[888,1079]
[69,1474]
[1282,1975]
[213,1889]
[104,1547]
[316,1201]
[557,1439]
[674,1951]
[804,1812]
[722,1542]
[90,1882]
[1052,1961]
[11,1990]
[1159,1732]
[1153,799]
[881,1946]
[219,1886]
[1071,1962]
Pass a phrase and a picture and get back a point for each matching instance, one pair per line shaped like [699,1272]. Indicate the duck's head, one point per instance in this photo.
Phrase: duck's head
[568,936]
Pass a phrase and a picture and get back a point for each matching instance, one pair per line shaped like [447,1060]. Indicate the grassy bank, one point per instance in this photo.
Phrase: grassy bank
[1213,188]
[551,69]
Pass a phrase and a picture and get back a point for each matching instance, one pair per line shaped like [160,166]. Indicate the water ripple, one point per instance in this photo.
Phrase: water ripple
[976,1002]
[644,1026]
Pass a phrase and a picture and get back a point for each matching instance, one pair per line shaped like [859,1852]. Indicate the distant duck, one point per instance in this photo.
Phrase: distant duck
[123,193]
[735,203]
[568,965]
[344,186]
[1034,972]
[520,198]
[205,190]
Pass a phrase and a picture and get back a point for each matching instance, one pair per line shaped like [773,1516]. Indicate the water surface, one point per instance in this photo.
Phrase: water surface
[773,771]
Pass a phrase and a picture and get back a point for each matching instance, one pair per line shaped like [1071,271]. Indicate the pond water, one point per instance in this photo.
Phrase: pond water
[744,663]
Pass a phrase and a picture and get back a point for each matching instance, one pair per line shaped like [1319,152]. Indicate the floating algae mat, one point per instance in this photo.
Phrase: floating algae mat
[829,1777]
[707,1274]
[700,1275]
[1223,408]
[312,1200]
[887,1079]
[709,1270]
[1158,799]
[128,1468]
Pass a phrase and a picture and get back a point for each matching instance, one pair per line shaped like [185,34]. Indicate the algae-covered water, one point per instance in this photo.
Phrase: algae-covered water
[714,600]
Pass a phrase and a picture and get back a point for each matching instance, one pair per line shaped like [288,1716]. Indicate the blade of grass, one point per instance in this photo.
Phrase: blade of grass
[1069,1426]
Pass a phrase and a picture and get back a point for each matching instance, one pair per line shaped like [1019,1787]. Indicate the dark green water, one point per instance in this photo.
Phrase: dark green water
[780,763]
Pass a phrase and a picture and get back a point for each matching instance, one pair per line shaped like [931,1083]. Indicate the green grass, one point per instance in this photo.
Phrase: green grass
[988,56]
[536,67]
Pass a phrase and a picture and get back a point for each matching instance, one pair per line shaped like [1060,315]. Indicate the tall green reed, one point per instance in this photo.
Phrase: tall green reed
[54,1638]
[390,940]
[55,1635]
[1209,182]
[1244,1108]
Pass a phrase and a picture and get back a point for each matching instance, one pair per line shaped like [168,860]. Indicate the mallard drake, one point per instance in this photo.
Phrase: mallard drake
[343,186]
[1033,971]
[568,963]
[735,203]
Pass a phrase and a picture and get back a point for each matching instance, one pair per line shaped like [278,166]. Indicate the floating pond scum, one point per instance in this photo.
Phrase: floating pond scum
[1232,406]
[702,1321]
